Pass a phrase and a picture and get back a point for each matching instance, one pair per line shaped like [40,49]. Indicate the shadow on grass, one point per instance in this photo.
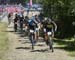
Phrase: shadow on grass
[41,45]
[42,50]
[23,34]
[69,45]
[9,31]
[27,48]
[26,42]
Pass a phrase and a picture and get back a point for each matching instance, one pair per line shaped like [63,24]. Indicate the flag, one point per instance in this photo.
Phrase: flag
[30,3]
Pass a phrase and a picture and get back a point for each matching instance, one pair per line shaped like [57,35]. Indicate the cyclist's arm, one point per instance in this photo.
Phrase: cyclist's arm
[54,25]
[35,21]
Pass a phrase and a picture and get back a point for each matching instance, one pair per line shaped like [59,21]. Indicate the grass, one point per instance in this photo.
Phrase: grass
[67,45]
[3,40]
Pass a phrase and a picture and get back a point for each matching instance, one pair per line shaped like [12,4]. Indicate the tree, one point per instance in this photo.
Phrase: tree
[61,10]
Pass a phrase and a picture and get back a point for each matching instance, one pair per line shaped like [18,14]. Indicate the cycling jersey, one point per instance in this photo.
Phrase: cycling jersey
[32,24]
[48,26]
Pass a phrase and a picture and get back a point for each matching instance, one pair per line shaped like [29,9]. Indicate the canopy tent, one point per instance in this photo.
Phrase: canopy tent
[12,9]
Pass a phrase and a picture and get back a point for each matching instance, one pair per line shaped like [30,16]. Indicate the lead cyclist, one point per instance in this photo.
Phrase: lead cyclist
[49,27]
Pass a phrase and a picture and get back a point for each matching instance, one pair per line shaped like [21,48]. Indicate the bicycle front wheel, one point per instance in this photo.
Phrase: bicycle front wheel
[51,44]
[32,41]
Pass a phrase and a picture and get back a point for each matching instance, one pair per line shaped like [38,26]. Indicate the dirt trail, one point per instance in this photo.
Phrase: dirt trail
[20,49]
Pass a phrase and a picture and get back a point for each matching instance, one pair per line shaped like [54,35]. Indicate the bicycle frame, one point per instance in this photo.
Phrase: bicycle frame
[31,36]
[50,41]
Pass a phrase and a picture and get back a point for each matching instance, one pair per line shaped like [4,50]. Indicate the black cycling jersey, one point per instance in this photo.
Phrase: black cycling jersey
[49,26]
[21,19]
[31,27]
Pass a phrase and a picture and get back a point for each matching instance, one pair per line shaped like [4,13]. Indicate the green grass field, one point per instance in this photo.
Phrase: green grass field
[3,40]
[67,45]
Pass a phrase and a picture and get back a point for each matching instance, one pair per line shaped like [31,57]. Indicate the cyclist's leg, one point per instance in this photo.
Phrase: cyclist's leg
[26,29]
[50,41]
[39,28]
[15,27]
[45,36]
[9,21]
[31,40]
[36,34]
[31,36]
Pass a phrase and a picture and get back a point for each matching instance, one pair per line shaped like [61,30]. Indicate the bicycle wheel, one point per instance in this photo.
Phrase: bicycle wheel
[32,41]
[51,44]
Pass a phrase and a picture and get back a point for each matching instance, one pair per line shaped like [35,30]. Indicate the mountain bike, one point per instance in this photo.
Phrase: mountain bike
[31,38]
[50,41]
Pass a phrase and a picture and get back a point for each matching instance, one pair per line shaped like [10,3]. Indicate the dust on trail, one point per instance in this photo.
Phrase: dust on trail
[20,49]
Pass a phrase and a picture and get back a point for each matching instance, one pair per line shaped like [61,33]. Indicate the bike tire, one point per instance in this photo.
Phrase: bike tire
[32,41]
[51,44]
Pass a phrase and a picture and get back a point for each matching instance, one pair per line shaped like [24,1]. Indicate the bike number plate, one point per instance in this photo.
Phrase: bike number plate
[49,33]
[31,31]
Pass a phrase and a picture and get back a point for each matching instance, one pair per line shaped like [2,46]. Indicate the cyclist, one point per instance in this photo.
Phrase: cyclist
[26,21]
[21,20]
[49,26]
[41,17]
[34,25]
[37,27]
[31,27]
[25,24]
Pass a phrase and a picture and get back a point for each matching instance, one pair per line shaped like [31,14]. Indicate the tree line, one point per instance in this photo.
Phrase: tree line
[63,12]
